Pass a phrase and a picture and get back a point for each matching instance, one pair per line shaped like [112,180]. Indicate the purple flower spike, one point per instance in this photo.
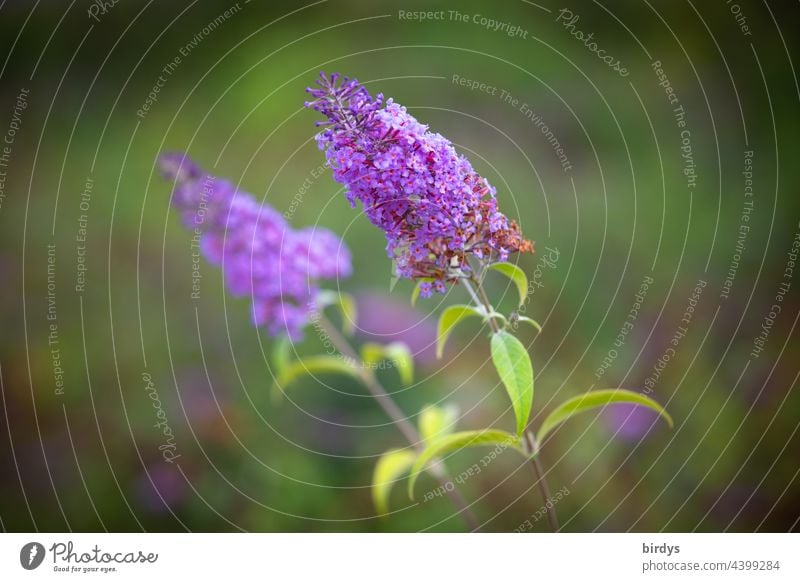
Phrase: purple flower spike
[260,254]
[435,209]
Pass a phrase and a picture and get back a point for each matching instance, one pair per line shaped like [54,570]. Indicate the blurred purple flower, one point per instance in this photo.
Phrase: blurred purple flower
[629,421]
[202,401]
[382,319]
[260,254]
[159,487]
[434,207]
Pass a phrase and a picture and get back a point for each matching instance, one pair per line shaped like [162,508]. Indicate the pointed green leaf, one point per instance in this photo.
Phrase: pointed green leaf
[397,352]
[459,440]
[448,320]
[597,399]
[346,305]
[516,275]
[437,421]
[388,469]
[415,292]
[316,365]
[516,371]
[528,320]
[372,352]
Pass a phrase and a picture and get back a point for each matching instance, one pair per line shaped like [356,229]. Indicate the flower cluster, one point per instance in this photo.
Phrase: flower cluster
[260,254]
[436,210]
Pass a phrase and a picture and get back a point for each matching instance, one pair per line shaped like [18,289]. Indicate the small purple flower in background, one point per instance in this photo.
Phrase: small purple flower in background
[435,208]
[260,254]
[382,318]
[160,487]
[629,421]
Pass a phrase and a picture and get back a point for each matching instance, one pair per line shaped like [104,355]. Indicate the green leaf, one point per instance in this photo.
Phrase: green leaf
[459,440]
[344,302]
[437,421]
[316,365]
[448,320]
[388,469]
[415,292]
[516,371]
[533,322]
[397,352]
[516,275]
[597,399]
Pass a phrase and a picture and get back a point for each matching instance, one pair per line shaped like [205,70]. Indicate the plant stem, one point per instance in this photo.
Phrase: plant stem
[485,298]
[536,463]
[482,300]
[472,293]
[399,419]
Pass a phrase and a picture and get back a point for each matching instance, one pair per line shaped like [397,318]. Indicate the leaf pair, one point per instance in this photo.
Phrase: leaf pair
[456,441]
[290,370]
[434,422]
[436,425]
[397,461]
[396,352]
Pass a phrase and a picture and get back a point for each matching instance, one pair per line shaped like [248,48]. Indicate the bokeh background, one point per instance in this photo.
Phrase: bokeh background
[85,456]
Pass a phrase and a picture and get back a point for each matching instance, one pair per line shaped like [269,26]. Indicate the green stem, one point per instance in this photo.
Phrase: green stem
[481,299]
[536,463]
[399,419]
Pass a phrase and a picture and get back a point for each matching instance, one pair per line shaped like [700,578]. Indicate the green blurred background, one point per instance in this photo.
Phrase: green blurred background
[87,457]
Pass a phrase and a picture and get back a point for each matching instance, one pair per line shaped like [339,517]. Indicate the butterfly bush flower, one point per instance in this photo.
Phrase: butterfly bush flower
[435,209]
[260,254]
